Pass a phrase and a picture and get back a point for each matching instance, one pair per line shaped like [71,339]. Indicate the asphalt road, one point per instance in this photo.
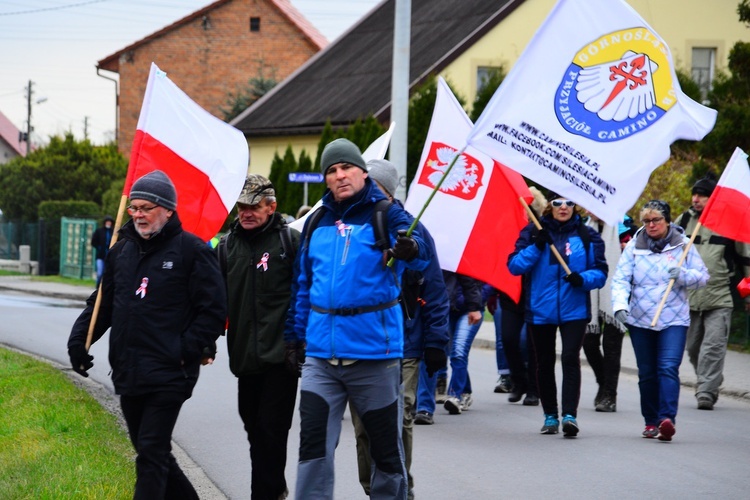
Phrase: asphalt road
[492,451]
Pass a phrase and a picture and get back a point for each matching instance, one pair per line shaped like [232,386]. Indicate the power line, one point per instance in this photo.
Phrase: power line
[45,9]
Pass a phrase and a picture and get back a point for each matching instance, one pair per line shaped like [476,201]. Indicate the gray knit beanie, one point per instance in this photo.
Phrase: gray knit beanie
[341,151]
[155,187]
[384,173]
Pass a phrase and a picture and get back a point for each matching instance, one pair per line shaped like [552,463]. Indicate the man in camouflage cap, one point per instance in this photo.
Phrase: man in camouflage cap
[258,255]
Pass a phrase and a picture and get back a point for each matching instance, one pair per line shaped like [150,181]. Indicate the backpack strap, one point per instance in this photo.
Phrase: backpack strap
[221,253]
[380,224]
[583,233]
[285,234]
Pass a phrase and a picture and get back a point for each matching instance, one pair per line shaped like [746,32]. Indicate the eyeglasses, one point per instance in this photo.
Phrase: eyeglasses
[132,209]
[655,220]
[559,203]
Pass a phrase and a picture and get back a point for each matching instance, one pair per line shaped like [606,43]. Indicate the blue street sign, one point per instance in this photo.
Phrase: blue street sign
[305,177]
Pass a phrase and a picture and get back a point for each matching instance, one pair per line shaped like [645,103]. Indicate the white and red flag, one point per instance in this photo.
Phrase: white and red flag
[728,209]
[476,216]
[591,107]
[205,158]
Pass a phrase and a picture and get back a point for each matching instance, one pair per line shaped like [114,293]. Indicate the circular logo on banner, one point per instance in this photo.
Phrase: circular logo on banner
[616,86]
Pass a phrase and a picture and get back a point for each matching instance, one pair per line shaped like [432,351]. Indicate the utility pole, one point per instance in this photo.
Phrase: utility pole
[85,128]
[400,92]
[29,92]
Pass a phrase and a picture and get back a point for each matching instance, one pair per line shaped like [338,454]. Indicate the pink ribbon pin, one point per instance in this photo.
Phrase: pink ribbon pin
[263,262]
[142,289]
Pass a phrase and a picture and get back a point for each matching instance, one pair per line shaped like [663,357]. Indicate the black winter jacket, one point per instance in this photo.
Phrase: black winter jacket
[157,337]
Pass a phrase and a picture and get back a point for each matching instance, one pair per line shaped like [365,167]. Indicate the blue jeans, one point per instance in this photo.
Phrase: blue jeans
[502,361]
[463,337]
[658,354]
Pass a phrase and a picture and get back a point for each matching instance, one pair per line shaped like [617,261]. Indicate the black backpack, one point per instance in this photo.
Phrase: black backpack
[285,234]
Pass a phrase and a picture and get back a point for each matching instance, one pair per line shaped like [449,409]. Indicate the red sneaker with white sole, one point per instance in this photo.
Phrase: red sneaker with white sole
[666,430]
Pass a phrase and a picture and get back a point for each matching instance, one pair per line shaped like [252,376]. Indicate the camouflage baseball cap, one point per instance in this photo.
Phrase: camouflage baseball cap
[255,189]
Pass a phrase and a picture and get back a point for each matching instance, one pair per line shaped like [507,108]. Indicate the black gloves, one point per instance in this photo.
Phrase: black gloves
[294,356]
[434,360]
[574,279]
[542,238]
[80,359]
[406,247]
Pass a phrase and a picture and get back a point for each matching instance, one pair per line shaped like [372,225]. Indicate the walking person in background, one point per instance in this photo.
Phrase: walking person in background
[504,379]
[100,241]
[649,261]
[602,344]
[711,306]
[164,299]
[556,300]
[425,306]
[257,257]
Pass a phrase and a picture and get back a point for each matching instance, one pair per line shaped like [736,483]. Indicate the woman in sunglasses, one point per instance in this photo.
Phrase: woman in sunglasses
[647,265]
[555,299]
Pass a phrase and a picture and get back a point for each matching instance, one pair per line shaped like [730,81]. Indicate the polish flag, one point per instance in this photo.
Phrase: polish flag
[206,158]
[476,215]
[728,209]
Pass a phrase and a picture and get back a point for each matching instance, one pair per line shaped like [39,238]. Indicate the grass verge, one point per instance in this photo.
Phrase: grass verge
[56,440]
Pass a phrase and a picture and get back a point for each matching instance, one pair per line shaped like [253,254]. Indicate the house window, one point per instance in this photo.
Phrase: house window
[254,24]
[704,61]
[484,73]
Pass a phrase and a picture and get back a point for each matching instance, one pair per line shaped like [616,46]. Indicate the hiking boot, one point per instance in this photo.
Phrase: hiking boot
[531,400]
[465,401]
[441,390]
[705,402]
[650,432]
[423,418]
[516,394]
[453,405]
[666,430]
[551,424]
[569,426]
[607,405]
[504,384]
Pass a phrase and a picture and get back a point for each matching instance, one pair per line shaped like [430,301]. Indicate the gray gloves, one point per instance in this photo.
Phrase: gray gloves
[674,273]
[621,316]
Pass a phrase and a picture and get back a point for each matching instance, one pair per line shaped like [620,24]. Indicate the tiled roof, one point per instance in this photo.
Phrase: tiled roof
[111,62]
[351,78]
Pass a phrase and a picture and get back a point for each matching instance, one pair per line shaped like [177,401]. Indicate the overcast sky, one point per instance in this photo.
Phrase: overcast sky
[56,44]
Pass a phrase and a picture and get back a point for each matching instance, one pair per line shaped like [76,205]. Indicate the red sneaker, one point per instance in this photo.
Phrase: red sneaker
[650,432]
[666,430]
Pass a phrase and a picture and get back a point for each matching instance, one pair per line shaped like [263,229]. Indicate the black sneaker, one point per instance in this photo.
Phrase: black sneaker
[531,400]
[607,405]
[504,384]
[515,395]
[705,403]
[423,418]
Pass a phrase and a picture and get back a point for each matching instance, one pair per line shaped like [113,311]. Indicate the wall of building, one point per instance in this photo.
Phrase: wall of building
[209,61]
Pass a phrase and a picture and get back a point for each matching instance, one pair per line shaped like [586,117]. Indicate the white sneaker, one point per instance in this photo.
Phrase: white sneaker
[453,405]
[466,401]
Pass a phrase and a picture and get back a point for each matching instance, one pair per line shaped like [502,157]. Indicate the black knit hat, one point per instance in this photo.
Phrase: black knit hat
[341,151]
[705,186]
[155,187]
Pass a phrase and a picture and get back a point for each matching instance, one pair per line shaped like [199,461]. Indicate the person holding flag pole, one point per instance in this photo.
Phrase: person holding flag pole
[659,257]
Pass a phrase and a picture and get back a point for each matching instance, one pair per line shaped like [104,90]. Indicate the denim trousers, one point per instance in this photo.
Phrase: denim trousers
[658,355]
[500,356]
[463,337]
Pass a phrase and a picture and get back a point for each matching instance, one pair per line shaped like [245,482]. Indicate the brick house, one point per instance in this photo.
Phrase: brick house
[211,53]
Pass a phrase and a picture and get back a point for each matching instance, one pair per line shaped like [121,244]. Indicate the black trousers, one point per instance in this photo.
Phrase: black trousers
[524,380]
[544,338]
[606,366]
[266,404]
[151,419]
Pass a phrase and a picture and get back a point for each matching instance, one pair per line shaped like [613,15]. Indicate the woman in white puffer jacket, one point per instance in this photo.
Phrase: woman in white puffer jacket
[648,262]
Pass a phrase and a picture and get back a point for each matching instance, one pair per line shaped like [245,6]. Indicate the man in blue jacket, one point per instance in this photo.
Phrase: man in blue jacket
[425,304]
[346,311]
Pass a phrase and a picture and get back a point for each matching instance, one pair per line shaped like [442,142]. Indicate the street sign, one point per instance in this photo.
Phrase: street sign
[305,177]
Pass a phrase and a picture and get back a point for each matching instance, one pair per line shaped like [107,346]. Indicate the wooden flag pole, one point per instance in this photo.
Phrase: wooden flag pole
[97,304]
[552,248]
[671,281]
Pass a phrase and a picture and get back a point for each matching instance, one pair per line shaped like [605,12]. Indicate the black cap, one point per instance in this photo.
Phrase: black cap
[705,186]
